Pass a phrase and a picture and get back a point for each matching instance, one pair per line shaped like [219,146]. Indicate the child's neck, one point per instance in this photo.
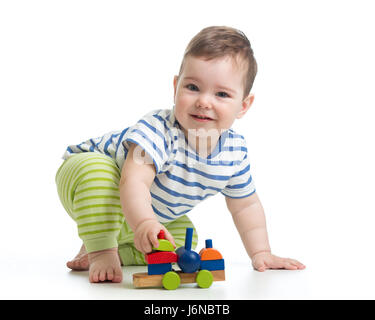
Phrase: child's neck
[202,143]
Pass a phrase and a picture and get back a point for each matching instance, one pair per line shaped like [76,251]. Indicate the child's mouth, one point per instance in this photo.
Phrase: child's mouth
[201,118]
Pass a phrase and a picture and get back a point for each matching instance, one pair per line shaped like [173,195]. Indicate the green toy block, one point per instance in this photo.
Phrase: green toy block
[171,280]
[164,245]
[204,279]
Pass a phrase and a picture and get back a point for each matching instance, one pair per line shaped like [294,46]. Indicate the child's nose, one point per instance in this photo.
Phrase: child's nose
[203,101]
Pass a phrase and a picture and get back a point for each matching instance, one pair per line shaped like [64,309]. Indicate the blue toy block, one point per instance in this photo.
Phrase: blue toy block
[212,265]
[188,260]
[208,243]
[159,268]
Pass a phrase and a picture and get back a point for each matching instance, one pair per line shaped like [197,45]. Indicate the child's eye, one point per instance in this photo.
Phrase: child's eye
[192,87]
[223,94]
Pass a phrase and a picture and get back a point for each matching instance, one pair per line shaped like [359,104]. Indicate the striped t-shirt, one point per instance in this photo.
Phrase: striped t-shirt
[183,178]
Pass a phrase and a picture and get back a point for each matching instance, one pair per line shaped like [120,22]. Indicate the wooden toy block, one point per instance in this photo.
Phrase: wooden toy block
[164,245]
[143,280]
[204,278]
[188,260]
[160,268]
[161,257]
[212,264]
[171,280]
[210,254]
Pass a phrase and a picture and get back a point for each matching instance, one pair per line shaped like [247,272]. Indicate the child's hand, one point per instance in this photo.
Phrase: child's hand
[146,235]
[266,260]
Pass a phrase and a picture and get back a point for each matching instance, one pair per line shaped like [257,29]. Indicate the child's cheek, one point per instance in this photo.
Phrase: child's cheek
[184,100]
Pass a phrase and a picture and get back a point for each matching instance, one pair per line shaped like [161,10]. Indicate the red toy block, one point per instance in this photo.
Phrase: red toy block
[161,257]
[161,234]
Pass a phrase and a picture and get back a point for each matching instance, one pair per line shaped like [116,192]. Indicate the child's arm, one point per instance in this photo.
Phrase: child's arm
[249,218]
[135,197]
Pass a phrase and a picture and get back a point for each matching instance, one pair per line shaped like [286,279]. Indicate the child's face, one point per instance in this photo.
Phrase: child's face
[212,89]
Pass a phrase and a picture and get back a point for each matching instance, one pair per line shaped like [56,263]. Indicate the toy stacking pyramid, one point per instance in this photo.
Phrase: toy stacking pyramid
[161,258]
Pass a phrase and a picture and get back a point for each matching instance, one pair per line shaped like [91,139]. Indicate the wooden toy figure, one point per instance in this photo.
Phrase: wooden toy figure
[202,268]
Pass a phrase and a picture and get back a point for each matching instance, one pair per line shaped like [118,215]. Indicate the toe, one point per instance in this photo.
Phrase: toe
[73,265]
[84,263]
[110,274]
[94,276]
[118,275]
[103,275]
[117,278]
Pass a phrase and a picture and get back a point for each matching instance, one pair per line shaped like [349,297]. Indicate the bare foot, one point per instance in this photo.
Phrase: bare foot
[80,262]
[105,265]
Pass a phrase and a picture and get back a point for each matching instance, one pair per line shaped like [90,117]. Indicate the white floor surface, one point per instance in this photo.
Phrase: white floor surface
[50,279]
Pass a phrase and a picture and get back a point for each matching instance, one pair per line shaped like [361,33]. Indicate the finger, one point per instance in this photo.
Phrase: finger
[146,245]
[137,244]
[290,266]
[298,264]
[260,266]
[276,263]
[270,264]
[169,237]
[153,238]
[285,264]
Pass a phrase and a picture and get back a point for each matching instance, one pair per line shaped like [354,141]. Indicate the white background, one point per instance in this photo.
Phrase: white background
[73,70]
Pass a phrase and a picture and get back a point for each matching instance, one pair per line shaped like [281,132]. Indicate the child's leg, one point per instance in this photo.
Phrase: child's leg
[131,256]
[88,188]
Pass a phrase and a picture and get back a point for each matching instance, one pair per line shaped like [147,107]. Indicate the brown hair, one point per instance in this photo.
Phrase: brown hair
[220,41]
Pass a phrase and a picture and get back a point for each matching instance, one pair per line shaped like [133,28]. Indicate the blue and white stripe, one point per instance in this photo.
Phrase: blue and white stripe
[183,179]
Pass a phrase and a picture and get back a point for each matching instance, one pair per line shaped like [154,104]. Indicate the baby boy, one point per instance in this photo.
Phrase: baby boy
[124,187]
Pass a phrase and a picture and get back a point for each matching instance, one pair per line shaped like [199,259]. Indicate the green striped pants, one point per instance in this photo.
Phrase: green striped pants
[87,184]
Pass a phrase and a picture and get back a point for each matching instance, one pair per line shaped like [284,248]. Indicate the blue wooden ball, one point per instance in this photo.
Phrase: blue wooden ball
[189,261]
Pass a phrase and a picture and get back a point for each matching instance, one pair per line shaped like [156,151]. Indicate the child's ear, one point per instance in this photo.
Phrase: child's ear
[246,104]
[175,82]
